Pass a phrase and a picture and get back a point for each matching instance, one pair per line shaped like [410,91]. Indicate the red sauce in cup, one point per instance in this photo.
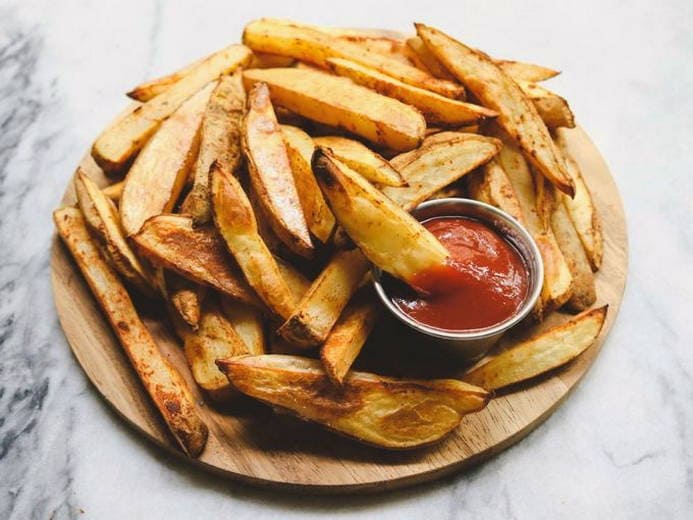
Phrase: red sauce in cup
[484,283]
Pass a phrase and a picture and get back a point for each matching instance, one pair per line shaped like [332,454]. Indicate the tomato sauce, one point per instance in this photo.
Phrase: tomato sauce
[485,281]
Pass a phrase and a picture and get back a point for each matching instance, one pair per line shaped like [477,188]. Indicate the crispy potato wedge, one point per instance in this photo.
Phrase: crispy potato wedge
[263,60]
[547,351]
[300,147]
[394,49]
[247,322]
[184,296]
[164,384]
[220,140]
[362,159]
[313,46]
[198,254]
[497,91]
[158,175]
[153,87]
[320,307]
[581,208]
[297,282]
[339,102]
[114,191]
[491,185]
[584,293]
[437,164]
[552,108]
[425,60]
[385,412]
[235,220]
[386,234]
[114,148]
[521,71]
[436,109]
[270,172]
[347,337]
[105,223]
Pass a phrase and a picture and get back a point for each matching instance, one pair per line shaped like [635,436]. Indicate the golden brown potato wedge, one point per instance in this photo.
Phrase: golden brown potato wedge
[114,191]
[497,91]
[491,185]
[270,172]
[339,102]
[425,60]
[394,49]
[297,282]
[300,147]
[552,108]
[547,351]
[220,140]
[362,159]
[104,221]
[198,254]
[158,175]
[436,109]
[438,163]
[385,412]
[164,384]
[235,220]
[115,147]
[581,208]
[185,297]
[247,322]
[386,234]
[347,337]
[153,87]
[521,71]
[263,60]
[313,46]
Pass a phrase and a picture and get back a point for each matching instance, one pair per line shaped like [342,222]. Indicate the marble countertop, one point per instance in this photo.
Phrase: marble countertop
[620,447]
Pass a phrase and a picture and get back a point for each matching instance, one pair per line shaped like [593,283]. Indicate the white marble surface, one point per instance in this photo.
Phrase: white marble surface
[620,447]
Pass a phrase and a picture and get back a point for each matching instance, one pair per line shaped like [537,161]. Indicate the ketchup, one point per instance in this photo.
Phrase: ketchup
[485,281]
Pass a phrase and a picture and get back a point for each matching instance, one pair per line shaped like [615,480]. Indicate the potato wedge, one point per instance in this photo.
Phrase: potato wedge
[220,140]
[347,337]
[313,46]
[247,322]
[198,254]
[497,91]
[535,356]
[235,220]
[552,108]
[581,208]
[436,109]
[362,159]
[438,164]
[386,234]
[300,147]
[158,175]
[339,102]
[425,60]
[185,297]
[394,49]
[164,384]
[153,87]
[263,60]
[584,293]
[521,71]
[114,148]
[385,412]
[104,221]
[319,309]
[270,172]
[491,185]
[114,191]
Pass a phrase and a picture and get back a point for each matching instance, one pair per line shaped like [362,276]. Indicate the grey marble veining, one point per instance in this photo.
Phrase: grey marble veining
[620,447]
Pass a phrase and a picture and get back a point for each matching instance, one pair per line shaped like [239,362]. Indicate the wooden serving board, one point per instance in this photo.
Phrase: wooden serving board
[249,442]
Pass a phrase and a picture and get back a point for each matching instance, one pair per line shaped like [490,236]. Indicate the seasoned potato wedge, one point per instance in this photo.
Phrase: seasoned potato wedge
[437,164]
[386,234]
[347,337]
[425,60]
[491,185]
[436,109]
[552,108]
[185,297]
[114,191]
[115,147]
[339,102]
[158,175]
[247,322]
[270,172]
[319,309]
[496,90]
[313,46]
[581,208]
[263,60]
[395,49]
[164,384]
[104,221]
[521,71]
[220,140]
[153,87]
[198,254]
[300,147]
[235,220]
[385,412]
[362,159]
[550,349]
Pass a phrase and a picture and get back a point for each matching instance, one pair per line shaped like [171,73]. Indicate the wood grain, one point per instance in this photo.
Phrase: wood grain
[251,443]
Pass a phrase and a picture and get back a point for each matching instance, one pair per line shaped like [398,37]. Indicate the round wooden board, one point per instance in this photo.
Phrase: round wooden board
[252,444]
